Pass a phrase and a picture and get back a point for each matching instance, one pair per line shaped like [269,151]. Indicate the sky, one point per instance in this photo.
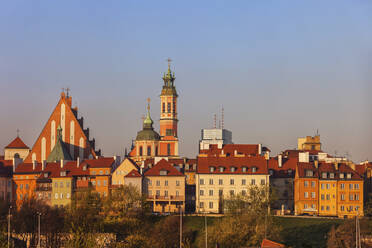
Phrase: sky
[280,69]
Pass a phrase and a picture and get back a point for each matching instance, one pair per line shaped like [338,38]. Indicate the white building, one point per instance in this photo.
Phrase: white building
[214,136]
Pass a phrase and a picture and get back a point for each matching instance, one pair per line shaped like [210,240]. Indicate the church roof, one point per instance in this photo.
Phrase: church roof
[60,151]
[17,143]
[148,132]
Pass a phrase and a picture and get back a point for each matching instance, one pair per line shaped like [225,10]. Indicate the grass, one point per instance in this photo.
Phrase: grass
[295,232]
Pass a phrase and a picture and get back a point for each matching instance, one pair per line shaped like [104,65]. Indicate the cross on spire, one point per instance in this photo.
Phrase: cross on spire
[148,103]
[67,91]
[169,62]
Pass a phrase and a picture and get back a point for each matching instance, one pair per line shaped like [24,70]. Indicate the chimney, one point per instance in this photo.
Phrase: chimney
[259,149]
[222,152]
[235,152]
[77,162]
[336,165]
[33,165]
[316,164]
[280,160]
[352,166]
[141,169]
[43,165]
[62,163]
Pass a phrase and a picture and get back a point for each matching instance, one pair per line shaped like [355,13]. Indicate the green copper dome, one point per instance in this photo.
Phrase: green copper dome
[148,133]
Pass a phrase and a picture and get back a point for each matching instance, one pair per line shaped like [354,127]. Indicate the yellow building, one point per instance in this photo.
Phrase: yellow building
[118,175]
[61,190]
[164,186]
[327,190]
[309,143]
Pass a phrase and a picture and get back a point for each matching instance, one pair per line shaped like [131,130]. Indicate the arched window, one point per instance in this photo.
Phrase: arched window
[174,107]
[140,151]
[156,151]
[163,107]
[16,155]
[169,107]
[168,149]
[148,150]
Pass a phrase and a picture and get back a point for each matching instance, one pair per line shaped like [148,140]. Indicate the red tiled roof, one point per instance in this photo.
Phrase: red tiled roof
[303,167]
[99,162]
[270,244]
[205,163]
[161,166]
[246,149]
[53,169]
[343,168]
[174,161]
[133,173]
[17,143]
[286,171]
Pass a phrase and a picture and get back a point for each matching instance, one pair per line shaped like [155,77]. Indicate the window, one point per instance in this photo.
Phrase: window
[341,175]
[163,107]
[322,186]
[98,183]
[328,186]
[101,172]
[342,208]
[348,175]
[357,197]
[342,185]
[232,169]
[61,196]
[63,173]
[221,169]
[313,195]
[93,172]
[220,181]
[157,183]
[201,205]
[107,172]
[169,107]
[211,169]
[163,172]
[306,194]
[149,182]
[94,183]
[331,175]
[210,192]
[305,206]
[244,192]
[26,185]
[210,204]
[67,184]
[244,169]
[21,186]
[174,107]
[220,192]
[312,184]
[324,174]
[322,197]
[201,192]
[201,181]
[351,208]
[157,192]
[263,182]
[166,193]
[327,208]
[68,195]
[177,193]
[232,192]
[56,195]
[322,208]
[104,182]
[140,151]
[306,184]
[231,181]
[313,206]
[356,186]
[328,197]
[350,186]
[177,183]
[168,149]
[166,183]
[253,182]
[309,173]
[148,150]
[243,182]
[211,181]
[254,169]
[149,193]
[61,184]
[351,197]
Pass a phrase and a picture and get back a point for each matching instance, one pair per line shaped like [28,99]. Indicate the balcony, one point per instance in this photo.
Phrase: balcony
[165,198]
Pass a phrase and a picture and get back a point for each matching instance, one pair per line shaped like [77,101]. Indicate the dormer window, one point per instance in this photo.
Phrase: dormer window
[163,173]
[244,169]
[332,175]
[324,174]
[254,169]
[341,175]
[348,175]
[45,175]
[309,173]
[84,168]
[271,172]
[222,169]
[290,172]
[63,173]
[232,169]
[211,169]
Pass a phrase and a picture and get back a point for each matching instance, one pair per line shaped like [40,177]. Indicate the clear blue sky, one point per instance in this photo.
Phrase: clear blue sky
[281,69]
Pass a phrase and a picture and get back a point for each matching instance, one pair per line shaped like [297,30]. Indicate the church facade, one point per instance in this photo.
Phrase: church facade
[149,143]
[73,134]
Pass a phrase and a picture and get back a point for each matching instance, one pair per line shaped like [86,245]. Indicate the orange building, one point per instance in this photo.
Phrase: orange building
[306,190]
[73,133]
[148,142]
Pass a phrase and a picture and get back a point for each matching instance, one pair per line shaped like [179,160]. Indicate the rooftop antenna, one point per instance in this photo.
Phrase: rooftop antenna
[335,153]
[222,117]
[17,132]
[67,91]
[317,132]
[215,121]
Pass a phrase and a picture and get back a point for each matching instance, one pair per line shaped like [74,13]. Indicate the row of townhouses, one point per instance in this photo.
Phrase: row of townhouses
[64,161]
